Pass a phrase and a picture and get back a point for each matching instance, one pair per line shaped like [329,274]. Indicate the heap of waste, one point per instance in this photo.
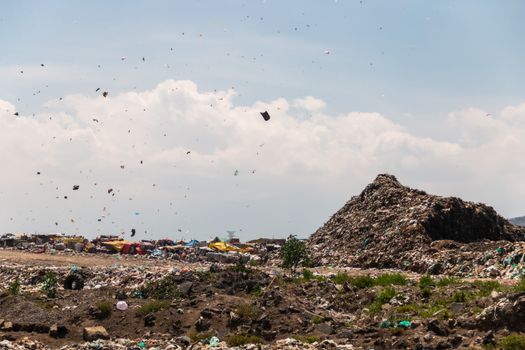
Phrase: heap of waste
[393,226]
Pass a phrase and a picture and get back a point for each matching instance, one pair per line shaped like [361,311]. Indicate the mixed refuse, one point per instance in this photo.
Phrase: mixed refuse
[392,226]
[395,268]
[242,306]
[216,250]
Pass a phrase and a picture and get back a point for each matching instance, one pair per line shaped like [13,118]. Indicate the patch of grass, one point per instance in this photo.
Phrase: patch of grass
[386,295]
[242,339]
[307,275]
[256,291]
[165,288]
[198,337]
[486,287]
[426,282]
[512,341]
[426,293]
[447,281]
[520,286]
[254,263]
[14,287]
[362,282]
[341,278]
[248,311]
[317,319]
[308,339]
[426,310]
[151,306]
[240,266]
[459,297]
[105,308]
[389,279]
[382,297]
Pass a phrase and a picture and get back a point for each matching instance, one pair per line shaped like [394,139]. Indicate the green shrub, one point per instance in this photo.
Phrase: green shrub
[513,341]
[459,297]
[165,288]
[426,293]
[382,297]
[362,282]
[308,339]
[307,275]
[426,282]
[317,319]
[105,308]
[341,278]
[486,287]
[386,295]
[197,337]
[248,311]
[151,306]
[388,279]
[49,284]
[447,281]
[14,287]
[292,253]
[242,339]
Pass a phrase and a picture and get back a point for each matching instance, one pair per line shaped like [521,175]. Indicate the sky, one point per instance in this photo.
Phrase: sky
[432,92]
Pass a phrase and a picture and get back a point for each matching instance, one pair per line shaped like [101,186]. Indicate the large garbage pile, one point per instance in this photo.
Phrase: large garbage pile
[393,226]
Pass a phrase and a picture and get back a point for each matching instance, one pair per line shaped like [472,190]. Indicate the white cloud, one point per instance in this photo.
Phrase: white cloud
[309,103]
[292,172]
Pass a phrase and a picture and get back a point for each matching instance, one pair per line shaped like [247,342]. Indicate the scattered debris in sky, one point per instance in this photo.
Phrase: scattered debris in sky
[265,115]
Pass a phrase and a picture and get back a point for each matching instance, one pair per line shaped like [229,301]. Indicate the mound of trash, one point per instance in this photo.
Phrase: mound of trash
[393,226]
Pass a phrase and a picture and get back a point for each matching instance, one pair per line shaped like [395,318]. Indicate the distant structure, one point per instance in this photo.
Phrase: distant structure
[231,236]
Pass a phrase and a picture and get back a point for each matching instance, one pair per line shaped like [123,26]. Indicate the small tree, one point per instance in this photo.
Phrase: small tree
[49,284]
[292,253]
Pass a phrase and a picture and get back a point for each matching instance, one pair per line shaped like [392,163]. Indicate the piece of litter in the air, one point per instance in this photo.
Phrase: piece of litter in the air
[265,115]
[75,187]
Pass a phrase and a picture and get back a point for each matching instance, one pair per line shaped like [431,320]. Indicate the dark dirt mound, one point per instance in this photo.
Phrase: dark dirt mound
[388,222]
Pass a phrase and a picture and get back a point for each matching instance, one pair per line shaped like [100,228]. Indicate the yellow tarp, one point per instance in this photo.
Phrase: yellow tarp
[225,247]
[117,245]
[72,240]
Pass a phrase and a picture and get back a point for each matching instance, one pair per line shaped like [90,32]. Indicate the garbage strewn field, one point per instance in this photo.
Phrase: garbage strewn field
[113,304]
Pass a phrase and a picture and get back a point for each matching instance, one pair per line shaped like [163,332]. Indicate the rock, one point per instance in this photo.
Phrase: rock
[201,325]
[184,340]
[506,312]
[185,288]
[437,327]
[234,319]
[328,344]
[7,326]
[457,307]
[206,313]
[94,333]
[74,281]
[56,331]
[149,320]
[121,295]
[489,339]
[324,328]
